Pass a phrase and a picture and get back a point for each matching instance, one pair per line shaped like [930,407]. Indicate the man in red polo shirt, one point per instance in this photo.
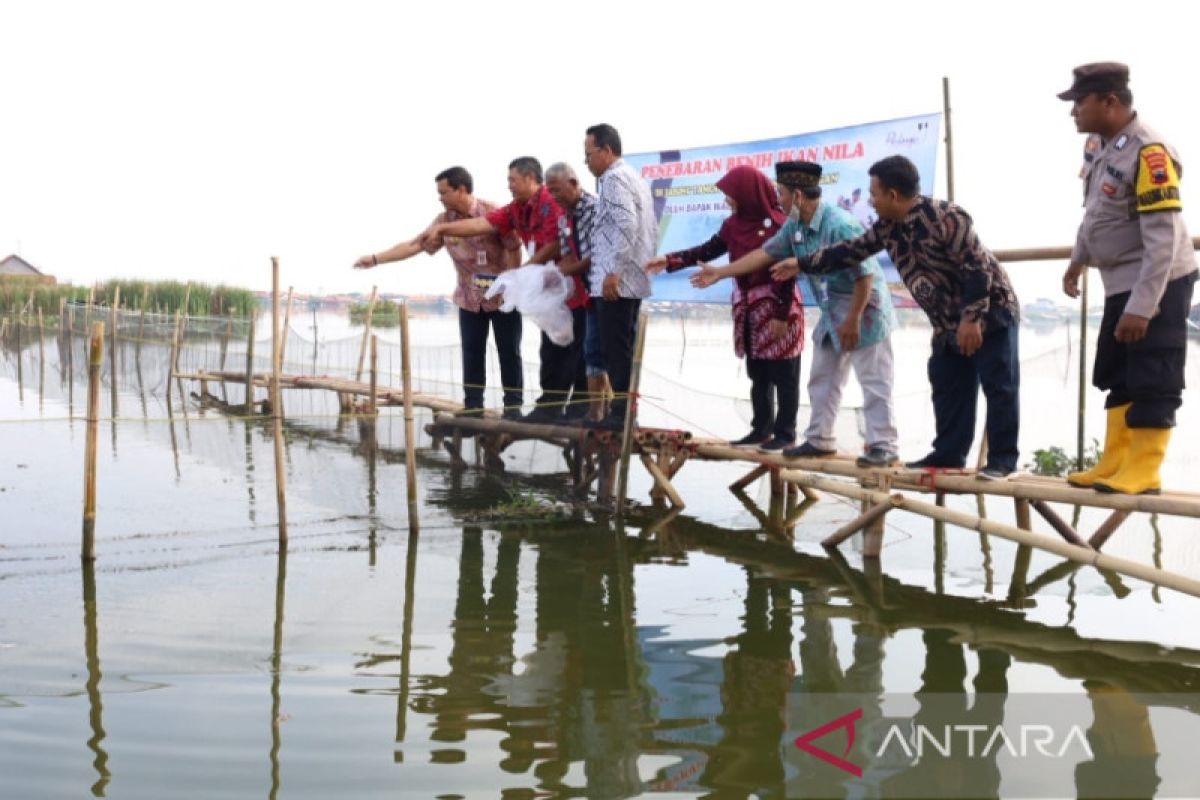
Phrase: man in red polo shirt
[534,216]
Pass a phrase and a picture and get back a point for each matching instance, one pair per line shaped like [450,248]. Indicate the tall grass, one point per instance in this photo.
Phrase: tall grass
[385,315]
[136,295]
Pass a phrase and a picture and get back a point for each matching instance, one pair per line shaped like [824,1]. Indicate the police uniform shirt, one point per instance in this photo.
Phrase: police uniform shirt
[1132,228]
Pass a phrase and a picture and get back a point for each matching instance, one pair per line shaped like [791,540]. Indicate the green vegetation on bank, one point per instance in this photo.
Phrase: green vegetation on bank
[136,295]
[385,315]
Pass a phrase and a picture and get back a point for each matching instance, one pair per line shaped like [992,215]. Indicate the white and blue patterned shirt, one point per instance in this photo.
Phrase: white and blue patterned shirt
[624,232]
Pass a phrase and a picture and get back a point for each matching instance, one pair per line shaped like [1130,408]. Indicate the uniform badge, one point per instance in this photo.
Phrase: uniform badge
[1116,173]
[1108,188]
[1093,145]
[1157,180]
[799,237]
[1122,140]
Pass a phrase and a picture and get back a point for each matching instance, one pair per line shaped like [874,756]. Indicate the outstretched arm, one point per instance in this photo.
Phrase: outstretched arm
[397,252]
[751,262]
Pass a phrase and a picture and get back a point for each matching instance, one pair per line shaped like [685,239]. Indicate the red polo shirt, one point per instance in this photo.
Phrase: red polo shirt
[536,221]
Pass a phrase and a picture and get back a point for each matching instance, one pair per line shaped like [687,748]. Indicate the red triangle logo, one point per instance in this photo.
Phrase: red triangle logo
[805,742]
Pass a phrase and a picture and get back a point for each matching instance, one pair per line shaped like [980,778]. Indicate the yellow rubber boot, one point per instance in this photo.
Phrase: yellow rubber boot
[1116,445]
[1139,473]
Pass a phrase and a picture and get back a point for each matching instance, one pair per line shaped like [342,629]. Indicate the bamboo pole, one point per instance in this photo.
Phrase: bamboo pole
[372,406]
[96,358]
[410,438]
[875,512]
[187,300]
[661,481]
[277,408]
[172,359]
[1059,524]
[1081,423]
[112,351]
[750,477]
[250,368]
[287,329]
[1083,555]
[1025,487]
[949,139]
[631,404]
[1107,528]
[362,350]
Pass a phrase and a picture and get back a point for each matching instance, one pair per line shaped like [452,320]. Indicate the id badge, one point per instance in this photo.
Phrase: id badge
[481,258]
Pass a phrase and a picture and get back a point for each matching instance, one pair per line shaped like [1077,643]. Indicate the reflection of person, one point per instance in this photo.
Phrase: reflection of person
[768,318]
[757,677]
[968,299]
[1133,232]
[1124,753]
[575,258]
[942,703]
[624,238]
[532,215]
[855,326]
[477,260]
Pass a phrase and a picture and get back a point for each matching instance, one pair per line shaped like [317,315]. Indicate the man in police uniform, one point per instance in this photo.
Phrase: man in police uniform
[1133,232]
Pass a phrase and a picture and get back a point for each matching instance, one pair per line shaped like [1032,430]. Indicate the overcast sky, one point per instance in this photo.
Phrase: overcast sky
[194,141]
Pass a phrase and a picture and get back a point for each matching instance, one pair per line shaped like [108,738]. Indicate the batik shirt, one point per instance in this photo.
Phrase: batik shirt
[575,237]
[625,231]
[948,271]
[478,260]
[834,292]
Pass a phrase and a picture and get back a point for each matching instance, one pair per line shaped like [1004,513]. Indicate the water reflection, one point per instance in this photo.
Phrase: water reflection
[91,637]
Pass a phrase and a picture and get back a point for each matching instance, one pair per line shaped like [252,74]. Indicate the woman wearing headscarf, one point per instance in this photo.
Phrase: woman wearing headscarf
[768,315]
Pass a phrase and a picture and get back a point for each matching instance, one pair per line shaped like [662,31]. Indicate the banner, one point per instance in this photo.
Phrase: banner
[690,208]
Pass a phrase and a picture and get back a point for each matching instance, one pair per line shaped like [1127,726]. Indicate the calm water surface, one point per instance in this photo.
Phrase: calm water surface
[526,657]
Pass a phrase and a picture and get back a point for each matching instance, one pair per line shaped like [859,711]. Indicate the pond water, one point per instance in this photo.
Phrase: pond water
[523,656]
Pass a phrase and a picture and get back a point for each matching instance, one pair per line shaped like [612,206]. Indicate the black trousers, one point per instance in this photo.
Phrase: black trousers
[473,328]
[1148,373]
[771,378]
[562,363]
[618,324]
[956,379]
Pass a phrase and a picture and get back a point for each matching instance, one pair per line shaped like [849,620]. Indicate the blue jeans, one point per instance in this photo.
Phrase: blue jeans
[593,343]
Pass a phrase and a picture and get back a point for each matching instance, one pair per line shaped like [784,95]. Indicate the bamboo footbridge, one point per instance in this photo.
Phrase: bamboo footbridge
[598,459]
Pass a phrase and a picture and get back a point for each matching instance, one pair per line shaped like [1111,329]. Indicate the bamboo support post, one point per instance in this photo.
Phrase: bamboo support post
[173,359]
[1083,555]
[875,512]
[410,436]
[372,406]
[95,359]
[277,409]
[750,477]
[660,480]
[1107,528]
[1059,524]
[362,350]
[1083,381]
[250,367]
[187,300]
[873,530]
[631,408]
[287,330]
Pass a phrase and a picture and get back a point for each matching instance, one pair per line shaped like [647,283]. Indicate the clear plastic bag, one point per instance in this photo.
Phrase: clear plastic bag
[540,292]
